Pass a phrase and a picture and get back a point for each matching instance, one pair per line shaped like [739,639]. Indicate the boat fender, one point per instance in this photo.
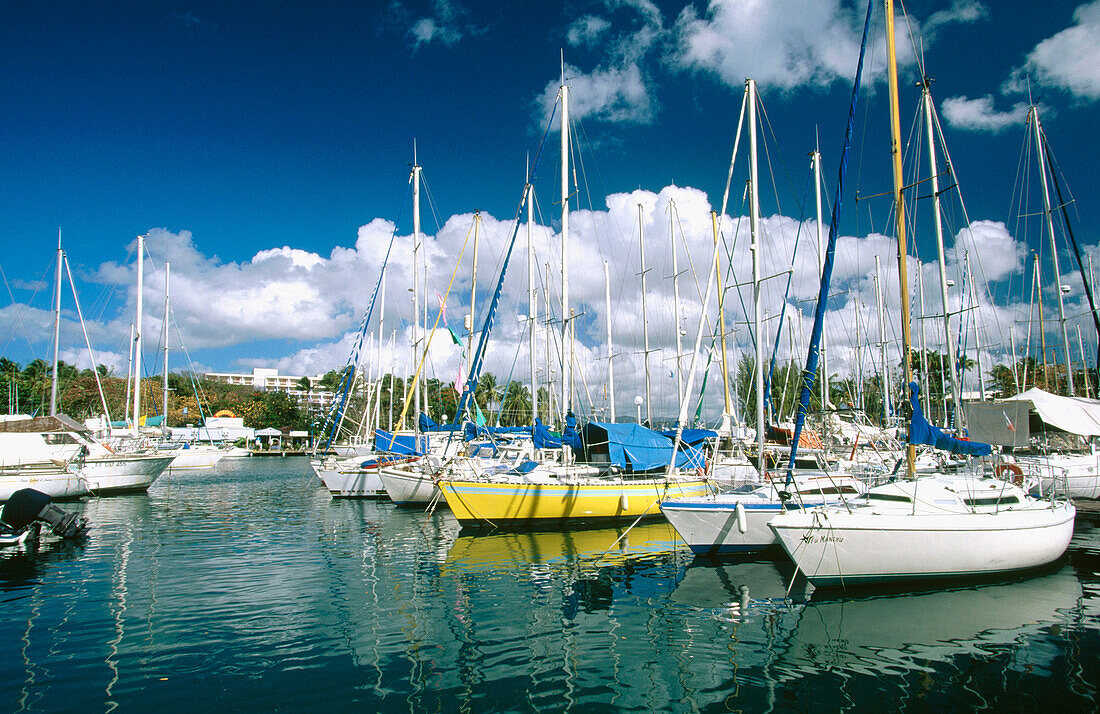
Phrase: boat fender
[624,502]
[1016,471]
[742,519]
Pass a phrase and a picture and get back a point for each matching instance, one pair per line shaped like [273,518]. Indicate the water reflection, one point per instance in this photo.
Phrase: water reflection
[255,590]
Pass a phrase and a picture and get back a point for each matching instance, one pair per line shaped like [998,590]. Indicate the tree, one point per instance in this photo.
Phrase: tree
[487,392]
[515,407]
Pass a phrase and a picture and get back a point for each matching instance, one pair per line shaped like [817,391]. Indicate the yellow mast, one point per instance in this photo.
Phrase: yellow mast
[899,204]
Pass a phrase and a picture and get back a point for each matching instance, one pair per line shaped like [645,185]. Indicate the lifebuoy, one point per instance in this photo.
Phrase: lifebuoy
[1017,473]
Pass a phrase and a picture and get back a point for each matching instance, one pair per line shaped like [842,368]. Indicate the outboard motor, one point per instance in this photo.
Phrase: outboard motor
[27,505]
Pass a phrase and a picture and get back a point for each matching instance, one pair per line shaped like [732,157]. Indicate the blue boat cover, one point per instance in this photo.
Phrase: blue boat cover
[426,423]
[400,443]
[633,447]
[691,436]
[569,436]
[543,438]
[921,432]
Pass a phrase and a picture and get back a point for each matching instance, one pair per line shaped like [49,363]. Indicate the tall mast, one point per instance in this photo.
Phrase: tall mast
[57,327]
[137,332]
[1084,364]
[977,335]
[1034,115]
[549,349]
[816,161]
[754,226]
[1042,327]
[927,399]
[727,408]
[676,305]
[164,423]
[645,322]
[473,287]
[610,344]
[566,342]
[129,375]
[934,170]
[886,387]
[532,309]
[415,284]
[899,215]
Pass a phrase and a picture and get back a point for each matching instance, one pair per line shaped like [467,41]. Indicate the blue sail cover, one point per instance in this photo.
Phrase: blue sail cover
[693,437]
[633,447]
[543,438]
[427,424]
[400,443]
[921,432]
[569,435]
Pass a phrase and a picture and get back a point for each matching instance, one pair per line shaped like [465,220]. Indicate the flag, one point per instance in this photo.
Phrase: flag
[1008,422]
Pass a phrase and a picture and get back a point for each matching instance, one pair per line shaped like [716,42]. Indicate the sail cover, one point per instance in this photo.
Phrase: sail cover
[921,432]
[635,448]
[1076,415]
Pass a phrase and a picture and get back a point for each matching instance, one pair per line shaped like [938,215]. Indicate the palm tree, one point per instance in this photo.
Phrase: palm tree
[515,408]
[487,392]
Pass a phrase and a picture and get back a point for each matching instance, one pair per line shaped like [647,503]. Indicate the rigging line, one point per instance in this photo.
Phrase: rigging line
[783,310]
[479,354]
[336,413]
[809,375]
[91,353]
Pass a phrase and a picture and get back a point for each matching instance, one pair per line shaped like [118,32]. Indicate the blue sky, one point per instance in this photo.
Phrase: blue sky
[263,146]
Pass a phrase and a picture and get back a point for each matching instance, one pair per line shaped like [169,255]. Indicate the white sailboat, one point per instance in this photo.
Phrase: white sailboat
[927,527]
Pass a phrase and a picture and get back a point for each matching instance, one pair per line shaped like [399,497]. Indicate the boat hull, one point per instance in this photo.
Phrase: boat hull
[123,474]
[55,482]
[477,503]
[408,488]
[710,525]
[838,548]
[350,481]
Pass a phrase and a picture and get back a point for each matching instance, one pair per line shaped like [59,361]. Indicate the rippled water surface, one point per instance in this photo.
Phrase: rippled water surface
[249,589]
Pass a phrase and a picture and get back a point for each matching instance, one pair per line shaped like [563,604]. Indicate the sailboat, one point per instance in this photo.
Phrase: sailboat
[932,526]
[104,470]
[533,492]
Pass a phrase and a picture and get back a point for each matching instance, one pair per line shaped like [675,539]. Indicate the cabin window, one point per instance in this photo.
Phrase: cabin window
[993,501]
[889,497]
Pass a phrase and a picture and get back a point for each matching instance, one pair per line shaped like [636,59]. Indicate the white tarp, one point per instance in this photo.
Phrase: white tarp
[1076,415]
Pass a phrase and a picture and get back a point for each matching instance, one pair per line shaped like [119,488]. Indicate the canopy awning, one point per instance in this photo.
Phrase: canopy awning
[1076,415]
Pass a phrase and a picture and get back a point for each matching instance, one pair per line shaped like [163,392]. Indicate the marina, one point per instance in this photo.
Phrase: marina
[247,587]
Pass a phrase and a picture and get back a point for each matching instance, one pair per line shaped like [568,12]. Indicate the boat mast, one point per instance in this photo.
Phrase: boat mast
[645,322]
[473,287]
[532,310]
[676,305]
[566,342]
[977,335]
[164,423]
[129,375]
[1042,326]
[924,346]
[899,215]
[57,327]
[755,247]
[1049,215]
[815,160]
[137,333]
[886,386]
[610,347]
[934,170]
[415,284]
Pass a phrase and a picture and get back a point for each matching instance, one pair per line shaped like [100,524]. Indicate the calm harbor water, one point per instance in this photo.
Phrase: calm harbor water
[249,589]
